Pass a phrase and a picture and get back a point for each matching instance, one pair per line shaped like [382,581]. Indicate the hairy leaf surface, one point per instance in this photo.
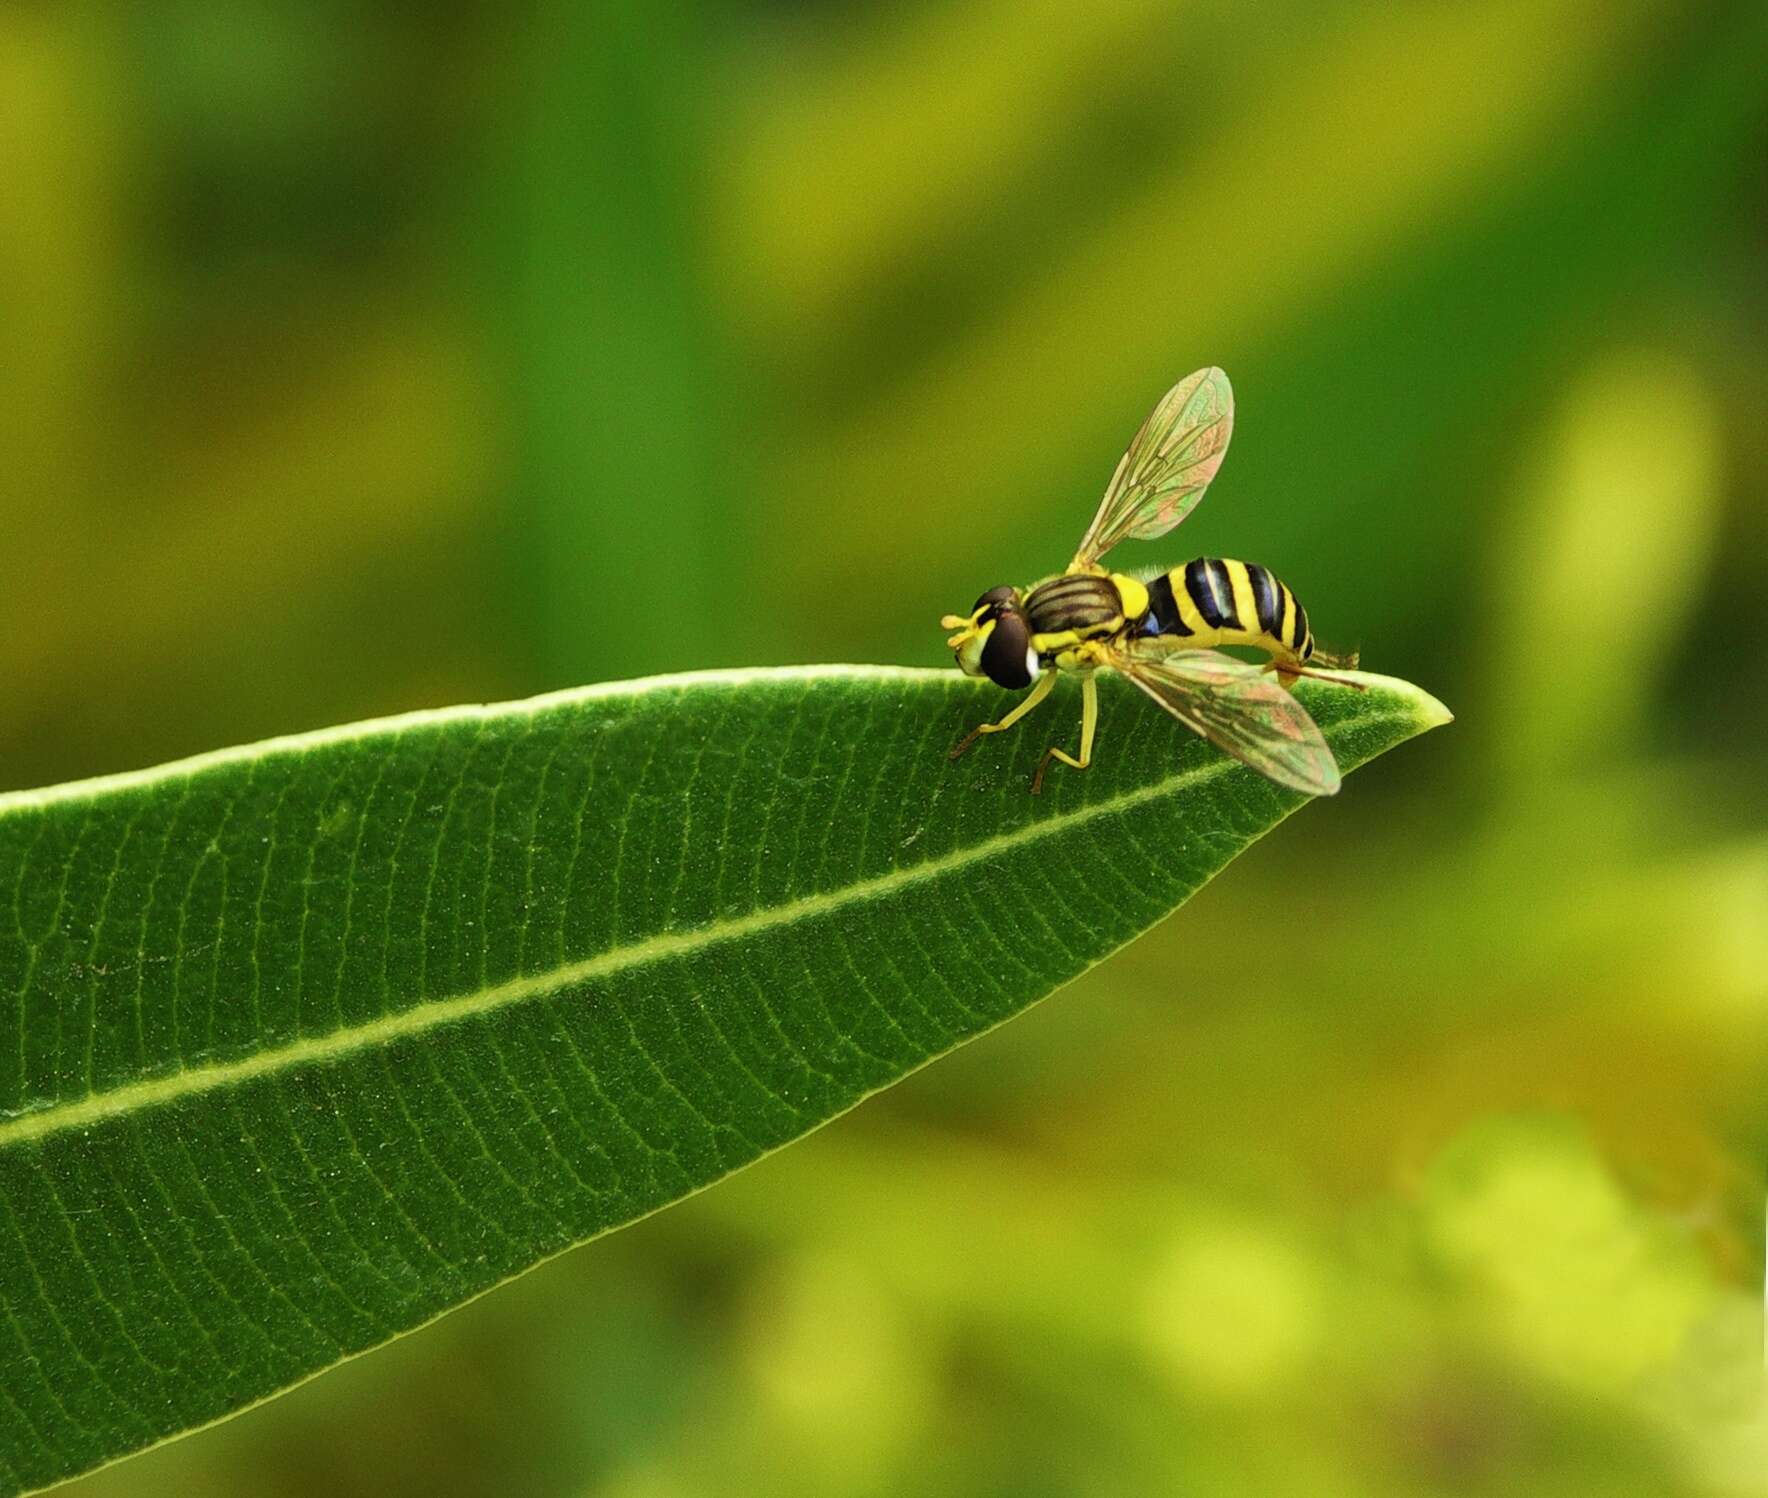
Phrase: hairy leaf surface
[305,1043]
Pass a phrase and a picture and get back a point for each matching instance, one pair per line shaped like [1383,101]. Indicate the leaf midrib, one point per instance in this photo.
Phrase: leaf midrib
[35,1124]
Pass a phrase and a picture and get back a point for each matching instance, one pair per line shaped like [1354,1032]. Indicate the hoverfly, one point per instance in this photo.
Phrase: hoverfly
[1160,631]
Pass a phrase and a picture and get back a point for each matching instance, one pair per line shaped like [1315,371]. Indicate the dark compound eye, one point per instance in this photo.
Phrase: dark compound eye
[1007,657]
[994,598]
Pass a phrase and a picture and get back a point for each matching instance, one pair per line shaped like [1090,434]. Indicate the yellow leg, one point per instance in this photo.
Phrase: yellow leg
[1089,725]
[1041,690]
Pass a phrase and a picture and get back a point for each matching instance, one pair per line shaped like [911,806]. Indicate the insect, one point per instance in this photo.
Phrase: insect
[1160,631]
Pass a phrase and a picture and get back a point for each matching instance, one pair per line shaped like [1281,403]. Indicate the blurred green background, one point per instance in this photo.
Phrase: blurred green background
[357,359]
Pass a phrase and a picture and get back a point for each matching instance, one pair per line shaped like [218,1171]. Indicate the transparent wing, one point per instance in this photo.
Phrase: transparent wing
[1166,468]
[1238,707]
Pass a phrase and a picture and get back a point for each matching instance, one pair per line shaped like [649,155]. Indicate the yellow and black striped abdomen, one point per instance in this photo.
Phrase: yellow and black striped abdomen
[1214,601]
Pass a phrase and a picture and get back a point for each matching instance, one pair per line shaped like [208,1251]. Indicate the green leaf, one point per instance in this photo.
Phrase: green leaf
[305,1043]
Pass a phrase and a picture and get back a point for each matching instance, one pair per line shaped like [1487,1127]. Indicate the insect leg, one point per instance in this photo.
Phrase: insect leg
[1039,691]
[1288,674]
[1089,725]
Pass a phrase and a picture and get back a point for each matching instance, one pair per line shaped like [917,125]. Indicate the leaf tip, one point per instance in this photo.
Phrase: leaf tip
[1432,712]
[1427,711]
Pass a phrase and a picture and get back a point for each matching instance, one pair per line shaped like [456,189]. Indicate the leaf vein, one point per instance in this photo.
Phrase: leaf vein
[427,1015]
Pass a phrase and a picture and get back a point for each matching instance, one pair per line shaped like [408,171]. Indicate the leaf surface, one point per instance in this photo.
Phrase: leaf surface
[305,1043]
